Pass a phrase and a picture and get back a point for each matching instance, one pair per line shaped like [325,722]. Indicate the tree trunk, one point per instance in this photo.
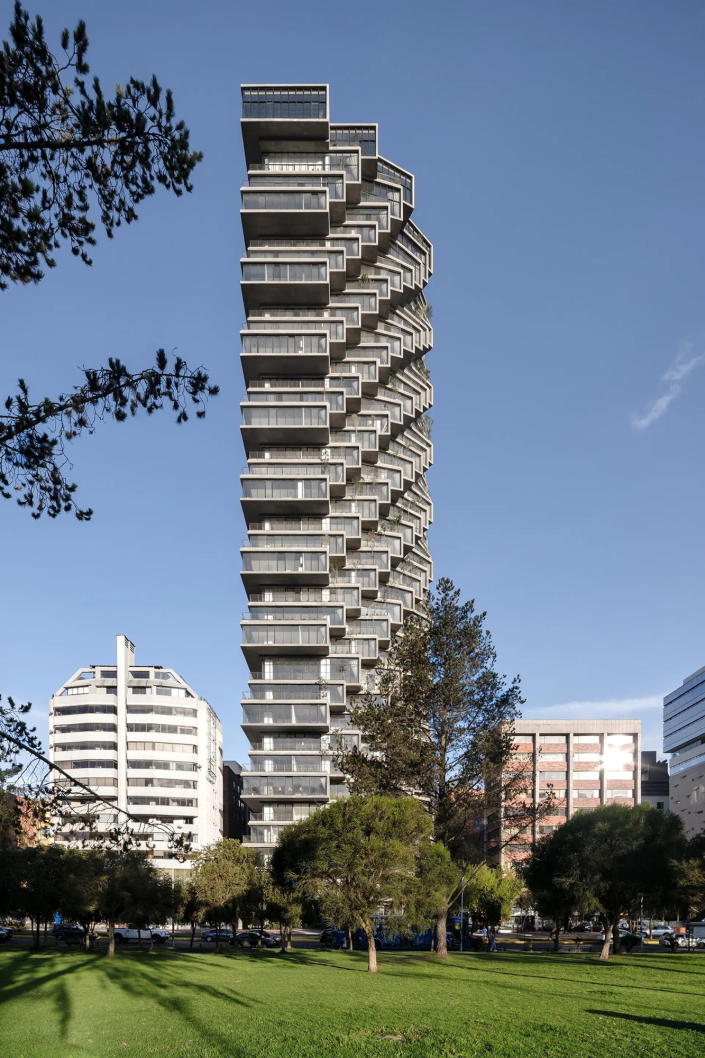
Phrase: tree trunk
[611,934]
[193,934]
[285,933]
[557,938]
[371,951]
[350,943]
[111,939]
[615,937]
[442,935]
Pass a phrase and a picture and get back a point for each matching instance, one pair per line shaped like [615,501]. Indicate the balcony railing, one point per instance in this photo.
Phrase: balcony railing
[284,786]
[284,272]
[257,489]
[280,714]
[277,201]
[286,562]
[285,635]
[267,416]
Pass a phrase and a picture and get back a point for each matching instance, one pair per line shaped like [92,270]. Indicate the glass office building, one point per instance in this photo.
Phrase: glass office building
[684,740]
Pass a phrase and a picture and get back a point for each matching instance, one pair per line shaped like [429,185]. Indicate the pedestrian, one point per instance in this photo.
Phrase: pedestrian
[492,937]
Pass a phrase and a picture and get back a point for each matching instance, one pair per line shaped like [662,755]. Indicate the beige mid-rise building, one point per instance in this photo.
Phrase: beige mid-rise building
[586,763]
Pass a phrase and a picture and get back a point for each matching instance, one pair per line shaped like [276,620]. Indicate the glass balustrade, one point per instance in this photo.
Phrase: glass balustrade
[285,635]
[285,714]
[284,786]
[277,201]
[259,489]
[266,416]
[334,184]
[286,562]
[281,272]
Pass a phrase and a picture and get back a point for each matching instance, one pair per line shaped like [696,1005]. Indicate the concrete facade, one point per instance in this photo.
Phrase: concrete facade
[587,763]
[336,436]
[145,741]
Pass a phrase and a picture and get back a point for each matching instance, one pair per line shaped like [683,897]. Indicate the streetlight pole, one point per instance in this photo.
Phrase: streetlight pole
[462,911]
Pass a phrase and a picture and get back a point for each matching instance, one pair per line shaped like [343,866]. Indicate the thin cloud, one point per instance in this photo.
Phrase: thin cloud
[685,362]
[648,709]
[609,707]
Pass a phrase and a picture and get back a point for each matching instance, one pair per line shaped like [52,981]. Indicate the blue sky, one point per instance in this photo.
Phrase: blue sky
[560,162]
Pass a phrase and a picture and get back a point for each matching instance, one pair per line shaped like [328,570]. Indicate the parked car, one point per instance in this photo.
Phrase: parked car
[681,940]
[5,934]
[125,934]
[68,933]
[656,931]
[214,934]
[333,938]
[627,940]
[252,938]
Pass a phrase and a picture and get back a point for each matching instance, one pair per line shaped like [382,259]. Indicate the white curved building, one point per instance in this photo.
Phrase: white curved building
[143,739]
[336,435]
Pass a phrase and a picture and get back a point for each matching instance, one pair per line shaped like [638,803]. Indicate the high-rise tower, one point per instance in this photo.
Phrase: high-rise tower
[336,435]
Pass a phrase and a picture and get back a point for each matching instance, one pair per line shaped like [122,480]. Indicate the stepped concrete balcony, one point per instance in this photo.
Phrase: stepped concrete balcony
[264,566]
[285,282]
[283,211]
[295,352]
[295,113]
[262,638]
[337,444]
[263,717]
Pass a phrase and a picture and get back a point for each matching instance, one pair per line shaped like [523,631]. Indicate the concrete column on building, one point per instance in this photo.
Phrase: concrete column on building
[603,769]
[537,789]
[569,776]
[125,658]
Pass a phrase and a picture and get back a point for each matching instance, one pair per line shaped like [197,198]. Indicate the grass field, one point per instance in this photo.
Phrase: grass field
[66,1004]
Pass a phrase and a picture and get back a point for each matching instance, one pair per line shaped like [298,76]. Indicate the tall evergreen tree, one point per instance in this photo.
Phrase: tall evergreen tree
[438,723]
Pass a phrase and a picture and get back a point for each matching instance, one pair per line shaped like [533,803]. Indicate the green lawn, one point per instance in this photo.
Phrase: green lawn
[66,1004]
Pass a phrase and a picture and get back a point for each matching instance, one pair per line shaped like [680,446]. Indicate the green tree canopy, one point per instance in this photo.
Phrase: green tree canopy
[223,874]
[355,856]
[607,858]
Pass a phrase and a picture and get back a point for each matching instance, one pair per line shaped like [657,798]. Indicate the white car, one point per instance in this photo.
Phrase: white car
[682,940]
[124,934]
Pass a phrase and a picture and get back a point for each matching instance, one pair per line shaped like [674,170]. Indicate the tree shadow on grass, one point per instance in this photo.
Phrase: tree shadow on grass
[23,974]
[164,981]
[161,979]
[665,1023]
